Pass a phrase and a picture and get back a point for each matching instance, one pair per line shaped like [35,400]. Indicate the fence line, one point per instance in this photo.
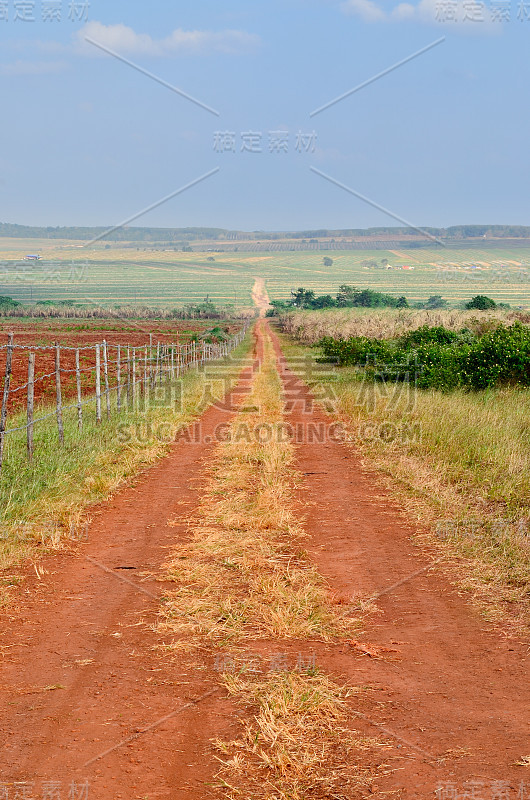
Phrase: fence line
[154,361]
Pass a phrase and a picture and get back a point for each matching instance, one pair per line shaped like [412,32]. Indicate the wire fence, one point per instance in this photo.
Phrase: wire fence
[100,370]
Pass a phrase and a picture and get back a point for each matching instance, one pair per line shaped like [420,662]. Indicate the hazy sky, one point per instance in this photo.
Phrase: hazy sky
[87,139]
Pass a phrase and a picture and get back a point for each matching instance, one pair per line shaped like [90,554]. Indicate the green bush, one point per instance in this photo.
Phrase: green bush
[481,302]
[439,366]
[499,358]
[428,335]
[437,358]
[356,351]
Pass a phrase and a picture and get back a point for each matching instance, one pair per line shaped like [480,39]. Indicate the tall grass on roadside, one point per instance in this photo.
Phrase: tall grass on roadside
[309,327]
[460,462]
[44,501]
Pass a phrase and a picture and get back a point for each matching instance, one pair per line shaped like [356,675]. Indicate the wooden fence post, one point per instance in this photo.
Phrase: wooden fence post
[146,387]
[5,400]
[79,396]
[31,398]
[129,378]
[106,376]
[134,398]
[157,360]
[58,392]
[118,381]
[98,385]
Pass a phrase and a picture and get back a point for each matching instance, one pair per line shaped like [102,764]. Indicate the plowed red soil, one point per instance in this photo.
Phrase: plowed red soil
[86,697]
[82,334]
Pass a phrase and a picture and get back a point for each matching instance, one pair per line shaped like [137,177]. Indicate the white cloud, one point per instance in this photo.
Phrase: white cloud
[367,10]
[32,67]
[426,11]
[127,42]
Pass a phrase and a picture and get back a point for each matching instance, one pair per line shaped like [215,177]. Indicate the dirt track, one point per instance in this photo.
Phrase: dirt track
[446,682]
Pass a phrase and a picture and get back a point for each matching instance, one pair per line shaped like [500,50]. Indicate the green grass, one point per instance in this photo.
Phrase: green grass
[168,278]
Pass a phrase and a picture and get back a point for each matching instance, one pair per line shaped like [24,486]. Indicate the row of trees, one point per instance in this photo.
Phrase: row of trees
[352,297]
[346,297]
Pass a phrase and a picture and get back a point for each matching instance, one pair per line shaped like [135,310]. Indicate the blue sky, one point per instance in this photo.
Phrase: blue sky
[87,139]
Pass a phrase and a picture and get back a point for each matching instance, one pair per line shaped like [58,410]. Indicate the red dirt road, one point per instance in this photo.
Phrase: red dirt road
[448,682]
[80,678]
[451,694]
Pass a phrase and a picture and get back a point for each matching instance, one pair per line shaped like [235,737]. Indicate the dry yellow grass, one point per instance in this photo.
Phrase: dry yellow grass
[297,744]
[309,327]
[243,572]
[243,577]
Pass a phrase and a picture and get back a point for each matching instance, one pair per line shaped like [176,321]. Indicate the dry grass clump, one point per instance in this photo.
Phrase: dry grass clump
[244,573]
[296,745]
[310,326]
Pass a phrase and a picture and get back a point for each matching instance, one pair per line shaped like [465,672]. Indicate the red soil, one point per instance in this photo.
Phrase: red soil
[81,678]
[46,333]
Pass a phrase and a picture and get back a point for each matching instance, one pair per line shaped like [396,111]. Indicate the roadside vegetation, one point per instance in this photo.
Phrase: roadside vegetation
[456,456]
[352,297]
[244,581]
[434,357]
[70,309]
[310,327]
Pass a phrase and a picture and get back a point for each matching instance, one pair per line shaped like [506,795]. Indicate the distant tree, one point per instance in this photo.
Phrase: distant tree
[8,302]
[436,301]
[346,295]
[384,262]
[328,262]
[303,298]
[324,301]
[402,302]
[481,302]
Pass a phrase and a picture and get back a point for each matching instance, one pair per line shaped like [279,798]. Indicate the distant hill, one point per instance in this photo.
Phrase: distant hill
[184,236]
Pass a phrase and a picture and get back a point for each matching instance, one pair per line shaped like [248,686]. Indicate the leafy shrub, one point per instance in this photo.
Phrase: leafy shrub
[439,366]
[501,357]
[440,359]
[481,302]
[428,335]
[356,351]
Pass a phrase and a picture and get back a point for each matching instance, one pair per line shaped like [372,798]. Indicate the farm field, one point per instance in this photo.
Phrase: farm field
[94,276]
[258,616]
[42,334]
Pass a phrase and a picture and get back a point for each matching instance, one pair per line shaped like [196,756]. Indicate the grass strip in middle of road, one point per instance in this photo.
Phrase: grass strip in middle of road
[243,579]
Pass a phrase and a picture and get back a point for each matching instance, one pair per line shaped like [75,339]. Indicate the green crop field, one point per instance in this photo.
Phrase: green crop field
[156,277]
